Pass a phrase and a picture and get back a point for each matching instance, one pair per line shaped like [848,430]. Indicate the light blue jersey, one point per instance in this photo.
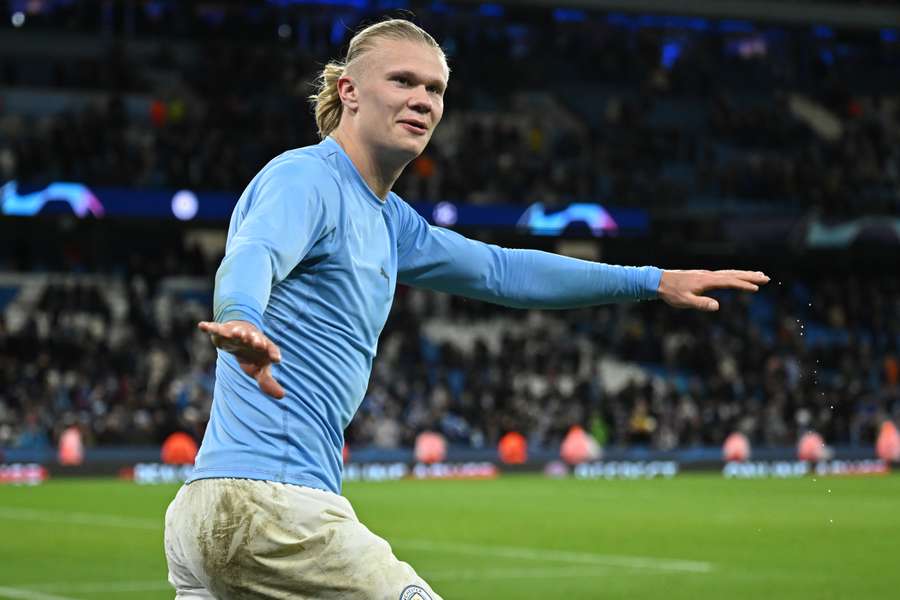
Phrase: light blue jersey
[312,259]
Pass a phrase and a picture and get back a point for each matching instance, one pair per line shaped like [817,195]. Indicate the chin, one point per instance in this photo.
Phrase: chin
[411,148]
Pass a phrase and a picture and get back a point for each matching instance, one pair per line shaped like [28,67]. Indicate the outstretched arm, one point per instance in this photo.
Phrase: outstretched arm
[276,222]
[440,259]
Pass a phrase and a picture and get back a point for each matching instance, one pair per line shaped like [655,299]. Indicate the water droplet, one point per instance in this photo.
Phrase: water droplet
[814,479]
[831,520]
[829,491]
[832,407]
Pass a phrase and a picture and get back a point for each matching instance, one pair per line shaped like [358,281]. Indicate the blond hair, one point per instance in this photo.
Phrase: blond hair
[326,101]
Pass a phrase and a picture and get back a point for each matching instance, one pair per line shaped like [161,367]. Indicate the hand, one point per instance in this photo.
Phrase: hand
[684,289]
[255,352]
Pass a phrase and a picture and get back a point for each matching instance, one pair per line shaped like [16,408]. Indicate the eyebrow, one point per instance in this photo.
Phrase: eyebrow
[414,77]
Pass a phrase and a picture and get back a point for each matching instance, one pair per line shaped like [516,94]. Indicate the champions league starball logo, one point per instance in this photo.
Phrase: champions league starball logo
[78,196]
[538,221]
[414,592]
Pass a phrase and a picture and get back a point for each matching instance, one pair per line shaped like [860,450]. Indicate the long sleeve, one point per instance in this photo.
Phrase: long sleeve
[440,259]
[274,225]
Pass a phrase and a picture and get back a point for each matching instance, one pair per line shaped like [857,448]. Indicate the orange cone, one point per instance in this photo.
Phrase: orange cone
[71,447]
[513,449]
[579,446]
[736,447]
[179,449]
[811,447]
[430,447]
[887,447]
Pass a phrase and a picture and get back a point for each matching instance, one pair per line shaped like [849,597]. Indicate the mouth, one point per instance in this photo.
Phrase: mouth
[414,126]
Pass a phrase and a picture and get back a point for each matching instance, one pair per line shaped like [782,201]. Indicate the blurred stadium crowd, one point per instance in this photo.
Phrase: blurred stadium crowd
[543,103]
[666,113]
[121,356]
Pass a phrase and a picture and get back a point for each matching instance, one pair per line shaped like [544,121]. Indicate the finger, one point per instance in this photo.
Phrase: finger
[719,282]
[209,326]
[268,384]
[705,304]
[224,343]
[237,333]
[222,334]
[740,284]
[757,277]
[274,351]
[252,340]
[247,344]
[241,333]
[258,372]
[259,341]
[242,350]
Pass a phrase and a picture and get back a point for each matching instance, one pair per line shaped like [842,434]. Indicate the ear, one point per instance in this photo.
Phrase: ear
[348,92]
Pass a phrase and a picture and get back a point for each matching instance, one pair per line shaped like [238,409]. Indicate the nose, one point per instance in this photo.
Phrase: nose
[420,100]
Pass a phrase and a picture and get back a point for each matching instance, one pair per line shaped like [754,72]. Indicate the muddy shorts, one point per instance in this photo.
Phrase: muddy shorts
[232,539]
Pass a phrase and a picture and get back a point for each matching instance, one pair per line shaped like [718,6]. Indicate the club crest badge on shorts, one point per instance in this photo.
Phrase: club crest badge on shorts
[414,592]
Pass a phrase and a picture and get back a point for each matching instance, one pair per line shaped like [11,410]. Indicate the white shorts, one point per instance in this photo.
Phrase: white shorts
[238,538]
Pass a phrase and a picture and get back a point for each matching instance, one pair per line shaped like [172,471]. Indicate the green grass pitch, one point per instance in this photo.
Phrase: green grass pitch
[522,537]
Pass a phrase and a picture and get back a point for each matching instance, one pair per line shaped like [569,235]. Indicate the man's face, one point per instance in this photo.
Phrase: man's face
[400,97]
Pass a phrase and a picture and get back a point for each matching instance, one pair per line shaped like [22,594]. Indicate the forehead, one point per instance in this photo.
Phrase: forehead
[407,55]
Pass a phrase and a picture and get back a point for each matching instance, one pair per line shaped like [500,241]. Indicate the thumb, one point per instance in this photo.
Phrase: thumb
[268,384]
[709,304]
[705,304]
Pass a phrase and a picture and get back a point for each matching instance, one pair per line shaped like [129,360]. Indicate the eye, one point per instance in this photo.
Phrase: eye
[402,80]
[435,90]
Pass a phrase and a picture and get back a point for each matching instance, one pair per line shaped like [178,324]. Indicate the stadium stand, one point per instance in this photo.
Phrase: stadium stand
[121,356]
[667,111]
[679,115]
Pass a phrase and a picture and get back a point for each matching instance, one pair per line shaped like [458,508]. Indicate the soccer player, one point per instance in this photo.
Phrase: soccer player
[316,246]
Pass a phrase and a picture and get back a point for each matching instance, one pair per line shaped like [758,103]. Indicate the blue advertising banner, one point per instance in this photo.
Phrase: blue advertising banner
[535,219]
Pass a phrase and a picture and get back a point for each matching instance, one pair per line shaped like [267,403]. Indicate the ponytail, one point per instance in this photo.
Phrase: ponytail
[326,100]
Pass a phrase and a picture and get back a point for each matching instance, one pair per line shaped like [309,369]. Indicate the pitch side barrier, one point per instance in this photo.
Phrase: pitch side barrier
[159,473]
[144,467]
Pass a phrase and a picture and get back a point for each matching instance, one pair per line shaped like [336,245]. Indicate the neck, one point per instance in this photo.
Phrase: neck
[378,175]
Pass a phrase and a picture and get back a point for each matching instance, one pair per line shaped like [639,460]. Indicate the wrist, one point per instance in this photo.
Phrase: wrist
[240,313]
[652,283]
